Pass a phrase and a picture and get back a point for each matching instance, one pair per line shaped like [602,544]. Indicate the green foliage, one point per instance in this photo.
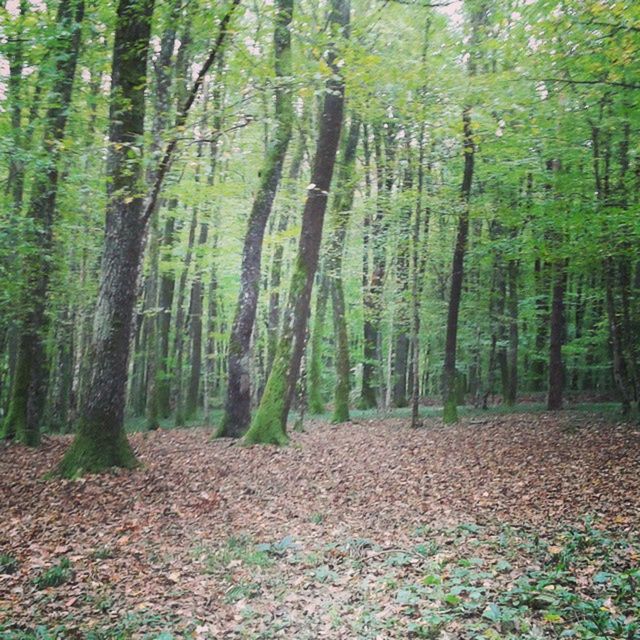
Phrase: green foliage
[8,564]
[55,576]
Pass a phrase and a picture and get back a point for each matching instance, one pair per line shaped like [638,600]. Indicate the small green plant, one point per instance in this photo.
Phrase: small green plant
[242,591]
[54,576]
[317,518]
[102,553]
[8,564]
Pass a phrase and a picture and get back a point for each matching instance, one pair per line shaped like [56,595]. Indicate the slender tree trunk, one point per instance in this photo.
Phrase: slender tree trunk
[197,288]
[542,287]
[373,289]
[449,378]
[160,393]
[316,401]
[100,440]
[29,384]
[162,95]
[402,318]
[343,203]
[511,388]
[270,422]
[238,399]
[615,333]
[275,278]
[555,386]
[195,330]
[419,246]
[179,336]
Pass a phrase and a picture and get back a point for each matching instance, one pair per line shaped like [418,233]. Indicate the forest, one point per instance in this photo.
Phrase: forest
[319,319]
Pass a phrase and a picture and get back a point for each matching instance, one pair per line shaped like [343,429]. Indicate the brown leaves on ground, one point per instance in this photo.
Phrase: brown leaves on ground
[150,541]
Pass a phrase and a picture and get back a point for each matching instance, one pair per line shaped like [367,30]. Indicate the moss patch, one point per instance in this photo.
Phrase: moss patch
[94,450]
[269,424]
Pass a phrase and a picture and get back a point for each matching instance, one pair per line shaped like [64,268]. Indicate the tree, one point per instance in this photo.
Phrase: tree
[238,398]
[100,441]
[450,374]
[30,377]
[269,426]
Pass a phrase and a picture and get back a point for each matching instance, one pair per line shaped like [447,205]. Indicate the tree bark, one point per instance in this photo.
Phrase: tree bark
[275,277]
[384,154]
[270,422]
[162,95]
[100,441]
[238,398]
[555,387]
[403,314]
[28,390]
[343,203]
[316,401]
[449,378]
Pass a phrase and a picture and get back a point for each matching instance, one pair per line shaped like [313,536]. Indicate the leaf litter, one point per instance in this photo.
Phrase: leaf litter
[359,530]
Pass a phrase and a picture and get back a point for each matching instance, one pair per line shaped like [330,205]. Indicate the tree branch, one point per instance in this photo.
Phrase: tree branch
[611,83]
[181,117]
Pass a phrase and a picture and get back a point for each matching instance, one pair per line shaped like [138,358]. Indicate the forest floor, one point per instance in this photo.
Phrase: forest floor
[504,526]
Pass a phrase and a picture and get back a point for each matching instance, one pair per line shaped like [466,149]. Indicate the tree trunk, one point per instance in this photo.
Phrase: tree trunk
[402,317]
[100,441]
[28,390]
[270,422]
[384,154]
[449,378]
[179,335]
[343,203]
[511,387]
[275,278]
[555,386]
[238,398]
[197,289]
[316,402]
[542,286]
[162,95]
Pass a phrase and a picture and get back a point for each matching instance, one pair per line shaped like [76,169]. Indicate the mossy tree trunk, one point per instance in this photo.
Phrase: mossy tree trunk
[384,148]
[340,214]
[237,408]
[100,440]
[316,400]
[28,390]
[269,426]
[275,276]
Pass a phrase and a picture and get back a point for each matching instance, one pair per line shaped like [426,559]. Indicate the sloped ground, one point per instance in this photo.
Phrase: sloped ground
[366,530]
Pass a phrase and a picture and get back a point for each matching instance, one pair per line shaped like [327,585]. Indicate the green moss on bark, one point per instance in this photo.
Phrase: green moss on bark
[269,424]
[341,404]
[94,450]
[15,424]
[450,411]
[367,399]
